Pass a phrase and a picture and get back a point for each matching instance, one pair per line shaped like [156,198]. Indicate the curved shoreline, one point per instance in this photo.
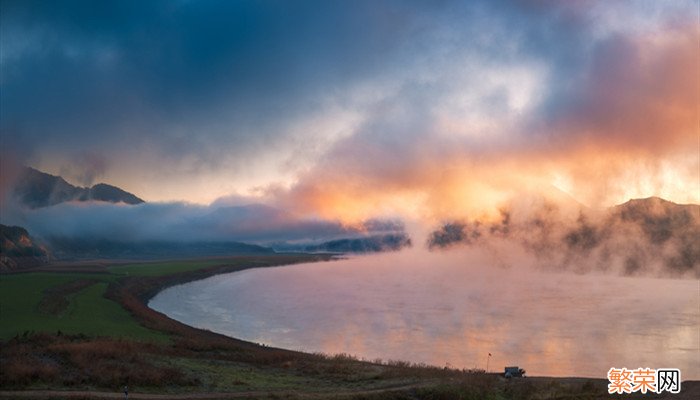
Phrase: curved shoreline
[134,294]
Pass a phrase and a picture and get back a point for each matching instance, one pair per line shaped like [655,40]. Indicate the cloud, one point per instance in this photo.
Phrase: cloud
[621,125]
[342,111]
[204,87]
[85,167]
[181,222]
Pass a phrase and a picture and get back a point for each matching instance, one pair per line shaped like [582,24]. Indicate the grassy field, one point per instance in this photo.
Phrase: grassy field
[165,268]
[88,311]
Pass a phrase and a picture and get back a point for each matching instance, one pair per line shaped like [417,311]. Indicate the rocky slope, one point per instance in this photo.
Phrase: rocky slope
[19,250]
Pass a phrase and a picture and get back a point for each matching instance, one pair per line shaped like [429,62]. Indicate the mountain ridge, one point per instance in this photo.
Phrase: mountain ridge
[37,189]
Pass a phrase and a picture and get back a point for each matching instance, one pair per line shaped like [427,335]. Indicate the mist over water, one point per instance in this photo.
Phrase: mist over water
[453,308]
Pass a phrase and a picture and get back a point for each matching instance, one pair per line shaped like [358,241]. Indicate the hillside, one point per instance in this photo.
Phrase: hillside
[660,219]
[659,229]
[370,244]
[36,189]
[19,250]
[648,236]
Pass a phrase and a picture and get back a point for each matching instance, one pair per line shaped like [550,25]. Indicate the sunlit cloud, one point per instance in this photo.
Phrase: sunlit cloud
[326,110]
[627,127]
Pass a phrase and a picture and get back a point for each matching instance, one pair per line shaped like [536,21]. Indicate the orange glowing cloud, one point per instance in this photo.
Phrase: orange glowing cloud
[628,128]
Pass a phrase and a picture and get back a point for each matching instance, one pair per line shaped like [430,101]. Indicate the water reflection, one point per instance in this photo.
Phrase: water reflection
[453,308]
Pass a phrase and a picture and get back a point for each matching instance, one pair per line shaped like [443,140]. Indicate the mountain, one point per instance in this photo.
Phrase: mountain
[86,248]
[109,193]
[369,244]
[19,250]
[37,189]
[648,236]
[659,219]
[668,231]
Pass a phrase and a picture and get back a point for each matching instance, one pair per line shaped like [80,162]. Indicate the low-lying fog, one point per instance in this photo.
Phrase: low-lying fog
[454,308]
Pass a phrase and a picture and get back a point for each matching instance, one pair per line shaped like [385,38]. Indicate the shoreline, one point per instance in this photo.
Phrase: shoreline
[322,258]
[134,293]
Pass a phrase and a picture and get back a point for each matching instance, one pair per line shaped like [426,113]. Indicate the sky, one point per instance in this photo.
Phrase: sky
[348,111]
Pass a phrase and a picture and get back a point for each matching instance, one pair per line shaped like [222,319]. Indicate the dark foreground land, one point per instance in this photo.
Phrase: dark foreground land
[83,331]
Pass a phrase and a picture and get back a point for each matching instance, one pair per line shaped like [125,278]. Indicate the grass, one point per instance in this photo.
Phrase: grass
[163,268]
[228,376]
[88,311]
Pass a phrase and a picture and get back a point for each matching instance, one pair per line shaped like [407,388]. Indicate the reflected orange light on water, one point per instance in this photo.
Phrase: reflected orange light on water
[453,309]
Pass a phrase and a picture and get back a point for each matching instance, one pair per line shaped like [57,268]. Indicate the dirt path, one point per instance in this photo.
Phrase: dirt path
[42,394]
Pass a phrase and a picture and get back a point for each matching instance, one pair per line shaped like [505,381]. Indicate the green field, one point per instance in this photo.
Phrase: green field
[88,311]
[162,268]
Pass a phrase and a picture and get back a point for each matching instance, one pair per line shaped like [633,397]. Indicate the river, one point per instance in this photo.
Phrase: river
[453,308]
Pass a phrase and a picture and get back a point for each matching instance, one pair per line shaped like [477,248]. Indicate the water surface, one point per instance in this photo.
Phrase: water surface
[453,309]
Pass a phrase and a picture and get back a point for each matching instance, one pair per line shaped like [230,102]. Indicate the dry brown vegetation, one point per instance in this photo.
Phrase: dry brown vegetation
[55,299]
[66,361]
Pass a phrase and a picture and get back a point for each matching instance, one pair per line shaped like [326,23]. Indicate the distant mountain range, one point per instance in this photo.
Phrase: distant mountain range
[36,189]
[83,248]
[19,250]
[371,244]
[366,244]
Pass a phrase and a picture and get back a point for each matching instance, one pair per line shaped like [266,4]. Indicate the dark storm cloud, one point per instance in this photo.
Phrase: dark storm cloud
[97,73]
[120,74]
